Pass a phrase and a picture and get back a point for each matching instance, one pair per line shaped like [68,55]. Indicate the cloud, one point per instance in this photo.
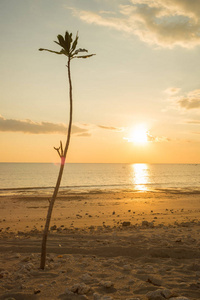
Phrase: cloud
[84,134]
[172,91]
[195,122]
[110,128]
[164,23]
[151,138]
[190,101]
[30,127]
[102,20]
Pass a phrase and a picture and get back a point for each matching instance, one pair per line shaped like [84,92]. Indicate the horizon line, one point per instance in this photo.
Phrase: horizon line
[127,163]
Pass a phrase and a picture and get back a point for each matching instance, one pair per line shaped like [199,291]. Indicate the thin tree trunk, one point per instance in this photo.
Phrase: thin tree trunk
[48,218]
[62,164]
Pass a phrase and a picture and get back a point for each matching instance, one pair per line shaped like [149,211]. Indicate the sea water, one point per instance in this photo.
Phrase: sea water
[139,177]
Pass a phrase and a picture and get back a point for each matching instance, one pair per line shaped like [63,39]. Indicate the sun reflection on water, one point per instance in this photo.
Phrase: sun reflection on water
[140,176]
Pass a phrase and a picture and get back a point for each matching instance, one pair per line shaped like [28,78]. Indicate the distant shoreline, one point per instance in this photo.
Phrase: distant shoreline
[44,191]
[98,163]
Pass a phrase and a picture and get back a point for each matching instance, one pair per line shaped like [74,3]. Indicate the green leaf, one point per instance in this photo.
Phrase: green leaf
[79,50]
[84,56]
[75,43]
[63,43]
[68,40]
[70,37]
[61,52]
[66,36]
[61,40]
[57,43]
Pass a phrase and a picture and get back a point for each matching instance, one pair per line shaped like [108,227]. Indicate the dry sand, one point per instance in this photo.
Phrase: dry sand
[101,246]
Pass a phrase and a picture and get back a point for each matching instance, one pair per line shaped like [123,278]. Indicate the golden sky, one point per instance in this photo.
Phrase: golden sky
[136,101]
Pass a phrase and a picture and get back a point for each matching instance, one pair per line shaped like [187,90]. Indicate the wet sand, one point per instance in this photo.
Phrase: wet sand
[102,245]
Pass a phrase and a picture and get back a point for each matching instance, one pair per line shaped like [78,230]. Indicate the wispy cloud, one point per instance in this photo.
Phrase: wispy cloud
[30,127]
[110,128]
[172,91]
[157,22]
[189,101]
[194,122]
[151,138]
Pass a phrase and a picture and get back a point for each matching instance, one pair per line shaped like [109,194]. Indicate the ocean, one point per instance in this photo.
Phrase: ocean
[88,177]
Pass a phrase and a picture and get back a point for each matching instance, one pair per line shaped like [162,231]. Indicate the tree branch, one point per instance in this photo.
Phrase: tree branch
[58,150]
[61,148]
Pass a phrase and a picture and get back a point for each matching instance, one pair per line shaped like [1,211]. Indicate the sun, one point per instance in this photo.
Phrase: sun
[138,135]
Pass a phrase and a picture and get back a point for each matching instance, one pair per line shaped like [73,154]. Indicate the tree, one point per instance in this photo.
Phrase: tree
[69,49]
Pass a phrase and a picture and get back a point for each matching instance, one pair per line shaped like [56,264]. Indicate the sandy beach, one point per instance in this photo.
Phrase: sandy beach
[102,245]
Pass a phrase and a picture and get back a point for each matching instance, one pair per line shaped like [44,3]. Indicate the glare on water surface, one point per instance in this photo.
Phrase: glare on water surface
[140,176]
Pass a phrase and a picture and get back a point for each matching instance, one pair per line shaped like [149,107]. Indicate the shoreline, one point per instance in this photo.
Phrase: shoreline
[23,209]
[99,189]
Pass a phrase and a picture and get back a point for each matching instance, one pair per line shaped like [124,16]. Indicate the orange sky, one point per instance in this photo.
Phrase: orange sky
[145,73]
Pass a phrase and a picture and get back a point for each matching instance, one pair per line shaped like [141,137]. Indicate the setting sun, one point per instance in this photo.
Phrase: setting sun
[138,135]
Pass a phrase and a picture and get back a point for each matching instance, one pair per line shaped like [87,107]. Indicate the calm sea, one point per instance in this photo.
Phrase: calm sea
[77,177]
